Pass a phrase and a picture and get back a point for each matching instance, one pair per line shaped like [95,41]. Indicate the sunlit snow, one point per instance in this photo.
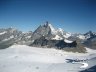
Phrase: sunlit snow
[22,58]
[3,33]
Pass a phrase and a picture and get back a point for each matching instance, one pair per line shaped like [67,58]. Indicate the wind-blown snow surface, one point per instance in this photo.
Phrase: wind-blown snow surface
[22,58]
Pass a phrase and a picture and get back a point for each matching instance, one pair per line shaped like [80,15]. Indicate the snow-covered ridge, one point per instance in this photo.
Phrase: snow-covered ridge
[57,38]
[55,31]
[60,30]
[52,29]
[68,41]
[3,32]
[28,37]
[67,35]
[8,38]
[81,37]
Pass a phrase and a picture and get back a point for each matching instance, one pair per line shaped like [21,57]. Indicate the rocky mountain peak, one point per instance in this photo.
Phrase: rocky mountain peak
[46,24]
[89,35]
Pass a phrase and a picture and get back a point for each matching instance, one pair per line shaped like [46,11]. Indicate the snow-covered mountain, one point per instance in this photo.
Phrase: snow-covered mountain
[50,32]
[48,36]
[91,39]
[90,34]
[12,36]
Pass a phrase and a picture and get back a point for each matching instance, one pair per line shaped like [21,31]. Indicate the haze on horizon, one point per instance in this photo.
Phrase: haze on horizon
[70,15]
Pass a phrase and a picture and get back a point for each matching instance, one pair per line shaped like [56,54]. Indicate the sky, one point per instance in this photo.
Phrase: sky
[70,15]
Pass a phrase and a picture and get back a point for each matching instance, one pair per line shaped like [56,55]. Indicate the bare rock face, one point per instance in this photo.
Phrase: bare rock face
[43,30]
[60,44]
[90,42]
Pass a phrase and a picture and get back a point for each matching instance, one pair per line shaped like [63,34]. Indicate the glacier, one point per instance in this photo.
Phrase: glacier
[22,58]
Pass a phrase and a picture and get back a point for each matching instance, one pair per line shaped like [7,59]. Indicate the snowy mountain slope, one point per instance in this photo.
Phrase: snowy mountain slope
[81,37]
[67,35]
[25,39]
[68,41]
[90,40]
[9,36]
[57,38]
[91,43]
[22,58]
[1,33]
[53,30]
[90,34]
[52,36]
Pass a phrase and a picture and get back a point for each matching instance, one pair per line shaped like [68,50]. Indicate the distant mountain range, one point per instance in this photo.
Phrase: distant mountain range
[48,36]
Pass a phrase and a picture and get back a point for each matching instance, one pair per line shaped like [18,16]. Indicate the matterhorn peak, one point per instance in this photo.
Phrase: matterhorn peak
[47,24]
[53,30]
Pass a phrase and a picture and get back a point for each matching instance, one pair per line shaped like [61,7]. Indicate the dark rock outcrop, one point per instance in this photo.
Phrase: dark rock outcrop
[60,44]
[91,43]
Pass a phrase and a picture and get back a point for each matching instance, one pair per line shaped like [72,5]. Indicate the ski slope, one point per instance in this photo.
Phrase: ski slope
[22,58]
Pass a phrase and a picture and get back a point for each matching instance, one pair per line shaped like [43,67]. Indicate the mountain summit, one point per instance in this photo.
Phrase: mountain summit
[50,32]
[42,30]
